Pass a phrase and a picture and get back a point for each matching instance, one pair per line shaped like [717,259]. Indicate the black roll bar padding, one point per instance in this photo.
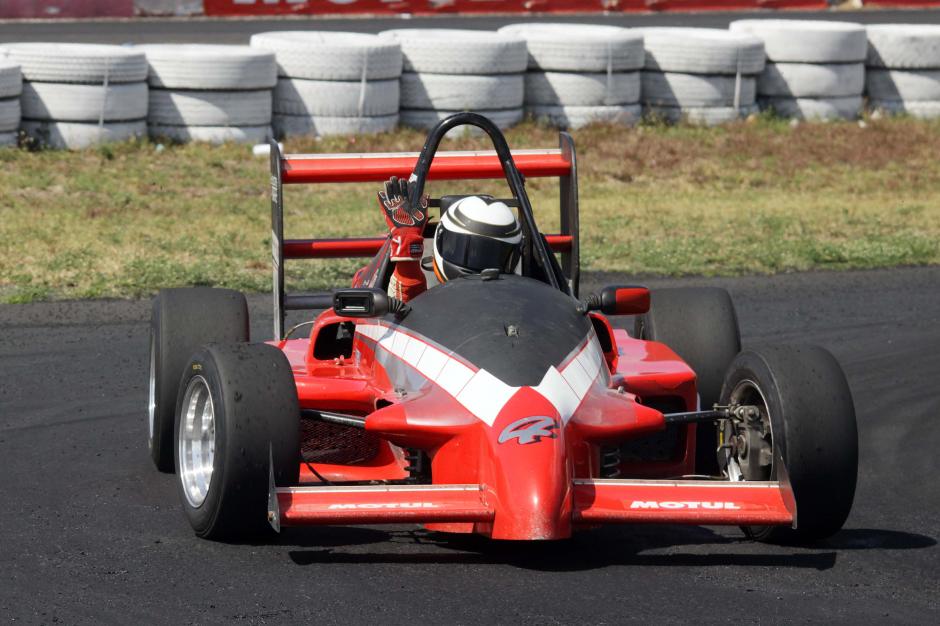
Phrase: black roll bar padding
[569,219]
[532,242]
[302,302]
[277,239]
[342,419]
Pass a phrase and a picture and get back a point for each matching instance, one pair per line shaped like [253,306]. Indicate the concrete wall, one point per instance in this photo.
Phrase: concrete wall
[168,7]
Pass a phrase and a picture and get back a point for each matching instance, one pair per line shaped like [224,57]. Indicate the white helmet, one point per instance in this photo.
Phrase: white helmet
[475,235]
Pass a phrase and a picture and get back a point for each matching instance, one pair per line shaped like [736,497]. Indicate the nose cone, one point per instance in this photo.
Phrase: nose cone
[531,475]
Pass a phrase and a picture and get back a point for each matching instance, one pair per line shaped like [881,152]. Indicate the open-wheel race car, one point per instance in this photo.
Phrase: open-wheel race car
[488,398]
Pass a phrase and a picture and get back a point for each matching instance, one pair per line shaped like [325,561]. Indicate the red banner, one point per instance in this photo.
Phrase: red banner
[436,7]
[903,3]
[416,7]
[733,5]
[66,8]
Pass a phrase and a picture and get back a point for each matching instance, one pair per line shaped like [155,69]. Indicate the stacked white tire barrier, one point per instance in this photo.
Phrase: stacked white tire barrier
[11,85]
[209,93]
[815,69]
[332,83]
[447,71]
[79,95]
[903,73]
[700,75]
[579,74]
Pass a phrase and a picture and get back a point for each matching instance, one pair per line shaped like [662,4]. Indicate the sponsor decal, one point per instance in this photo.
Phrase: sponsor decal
[529,430]
[383,505]
[685,504]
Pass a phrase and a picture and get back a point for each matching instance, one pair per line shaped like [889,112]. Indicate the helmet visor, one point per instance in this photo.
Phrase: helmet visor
[476,253]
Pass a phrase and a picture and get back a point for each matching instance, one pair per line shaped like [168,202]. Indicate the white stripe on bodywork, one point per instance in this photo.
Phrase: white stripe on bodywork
[480,392]
[485,396]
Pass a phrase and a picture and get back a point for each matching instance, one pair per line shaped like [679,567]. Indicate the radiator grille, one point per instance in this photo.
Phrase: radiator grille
[661,446]
[323,442]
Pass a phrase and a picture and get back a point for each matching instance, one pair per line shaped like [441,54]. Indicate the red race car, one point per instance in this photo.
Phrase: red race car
[496,402]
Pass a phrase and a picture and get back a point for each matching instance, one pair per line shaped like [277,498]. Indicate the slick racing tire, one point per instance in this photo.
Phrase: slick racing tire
[11,79]
[904,46]
[64,102]
[456,51]
[77,62]
[701,51]
[200,66]
[807,41]
[699,324]
[579,47]
[673,89]
[237,420]
[181,321]
[805,400]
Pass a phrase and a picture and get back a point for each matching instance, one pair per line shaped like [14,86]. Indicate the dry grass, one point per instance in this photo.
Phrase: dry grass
[755,197]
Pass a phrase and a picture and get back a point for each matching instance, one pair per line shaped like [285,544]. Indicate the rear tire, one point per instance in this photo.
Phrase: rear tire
[181,321]
[223,471]
[812,419]
[701,326]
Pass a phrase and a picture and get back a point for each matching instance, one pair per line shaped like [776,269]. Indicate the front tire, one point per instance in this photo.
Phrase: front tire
[701,326]
[237,411]
[805,400]
[180,322]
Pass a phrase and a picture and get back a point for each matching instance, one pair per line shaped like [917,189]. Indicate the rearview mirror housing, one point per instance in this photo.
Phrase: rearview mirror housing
[363,302]
[619,300]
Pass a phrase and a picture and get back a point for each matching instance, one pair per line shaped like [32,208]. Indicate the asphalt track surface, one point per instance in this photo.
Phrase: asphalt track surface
[238,30]
[90,532]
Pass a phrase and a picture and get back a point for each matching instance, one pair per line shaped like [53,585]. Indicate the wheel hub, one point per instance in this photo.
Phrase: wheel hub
[746,436]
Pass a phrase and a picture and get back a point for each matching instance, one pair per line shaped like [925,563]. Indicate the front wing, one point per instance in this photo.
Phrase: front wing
[598,501]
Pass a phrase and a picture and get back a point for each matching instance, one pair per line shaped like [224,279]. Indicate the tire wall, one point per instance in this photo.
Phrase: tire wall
[288,83]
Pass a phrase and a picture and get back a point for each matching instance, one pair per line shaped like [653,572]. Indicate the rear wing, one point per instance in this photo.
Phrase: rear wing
[292,169]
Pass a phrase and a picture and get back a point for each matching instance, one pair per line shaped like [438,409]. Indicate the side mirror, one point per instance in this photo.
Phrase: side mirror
[363,302]
[622,300]
[367,302]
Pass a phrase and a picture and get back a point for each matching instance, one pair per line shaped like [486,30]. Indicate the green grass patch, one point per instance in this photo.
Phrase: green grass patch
[757,197]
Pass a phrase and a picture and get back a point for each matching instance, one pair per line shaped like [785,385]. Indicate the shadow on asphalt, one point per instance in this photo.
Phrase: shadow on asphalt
[871,539]
[588,550]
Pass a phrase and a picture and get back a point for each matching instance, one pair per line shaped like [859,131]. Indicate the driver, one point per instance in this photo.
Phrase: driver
[474,235]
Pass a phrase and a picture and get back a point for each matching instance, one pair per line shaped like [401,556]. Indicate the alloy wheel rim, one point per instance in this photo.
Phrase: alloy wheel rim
[152,402]
[196,437]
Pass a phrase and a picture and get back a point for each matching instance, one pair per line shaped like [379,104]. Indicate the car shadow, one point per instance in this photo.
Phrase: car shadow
[661,546]
[873,539]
